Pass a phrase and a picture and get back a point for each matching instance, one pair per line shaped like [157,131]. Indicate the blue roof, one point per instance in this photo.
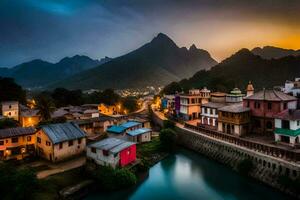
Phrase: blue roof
[116,129]
[130,124]
[113,145]
[63,132]
[139,131]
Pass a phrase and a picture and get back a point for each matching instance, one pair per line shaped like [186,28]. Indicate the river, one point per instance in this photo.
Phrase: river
[187,175]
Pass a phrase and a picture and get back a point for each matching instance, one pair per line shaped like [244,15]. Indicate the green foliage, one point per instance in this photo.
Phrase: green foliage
[10,91]
[130,104]
[168,139]
[17,183]
[63,97]
[245,166]
[113,179]
[168,124]
[45,105]
[8,123]
[53,121]
[172,88]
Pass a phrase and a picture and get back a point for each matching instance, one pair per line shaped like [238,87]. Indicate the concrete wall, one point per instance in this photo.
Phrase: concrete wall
[98,157]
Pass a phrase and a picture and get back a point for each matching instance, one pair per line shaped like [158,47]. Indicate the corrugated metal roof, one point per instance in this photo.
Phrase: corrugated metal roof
[14,132]
[130,124]
[112,145]
[63,132]
[116,129]
[139,131]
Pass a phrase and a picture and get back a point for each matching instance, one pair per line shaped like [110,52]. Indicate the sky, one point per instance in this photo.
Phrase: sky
[53,29]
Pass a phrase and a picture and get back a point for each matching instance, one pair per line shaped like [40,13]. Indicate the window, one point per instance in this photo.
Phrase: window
[60,145]
[284,106]
[48,143]
[105,152]
[256,104]
[71,143]
[269,106]
[298,123]
[285,124]
[79,141]
[1,142]
[205,111]
[39,140]
[248,104]
[9,106]
[28,138]
[93,150]
[9,113]
[14,140]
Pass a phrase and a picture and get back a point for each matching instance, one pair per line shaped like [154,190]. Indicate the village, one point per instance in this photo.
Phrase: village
[99,135]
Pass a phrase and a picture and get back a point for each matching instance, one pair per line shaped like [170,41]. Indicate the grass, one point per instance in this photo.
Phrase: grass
[50,186]
[149,148]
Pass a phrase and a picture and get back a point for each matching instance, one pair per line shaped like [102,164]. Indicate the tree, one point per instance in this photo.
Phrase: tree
[10,91]
[130,104]
[8,123]
[172,88]
[168,139]
[109,97]
[125,178]
[63,97]
[168,124]
[45,106]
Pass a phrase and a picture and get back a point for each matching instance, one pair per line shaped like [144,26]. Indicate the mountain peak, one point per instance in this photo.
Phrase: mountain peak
[193,47]
[162,38]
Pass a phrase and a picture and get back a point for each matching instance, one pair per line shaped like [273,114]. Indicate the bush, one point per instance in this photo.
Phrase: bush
[17,183]
[168,124]
[112,179]
[168,139]
[245,166]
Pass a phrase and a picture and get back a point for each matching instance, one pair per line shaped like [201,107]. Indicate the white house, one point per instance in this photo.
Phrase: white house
[287,127]
[209,114]
[10,109]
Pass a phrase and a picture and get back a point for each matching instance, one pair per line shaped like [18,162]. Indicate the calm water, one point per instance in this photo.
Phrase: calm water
[188,175]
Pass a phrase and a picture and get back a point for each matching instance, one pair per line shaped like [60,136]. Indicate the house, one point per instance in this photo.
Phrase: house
[234,119]
[90,113]
[10,109]
[209,114]
[116,131]
[190,104]
[17,143]
[56,142]
[264,106]
[29,117]
[235,96]
[139,135]
[112,152]
[132,125]
[287,127]
[292,87]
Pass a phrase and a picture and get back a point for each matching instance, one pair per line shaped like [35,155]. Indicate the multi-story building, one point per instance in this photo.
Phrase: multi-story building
[235,96]
[209,114]
[264,106]
[287,127]
[10,109]
[190,104]
[218,97]
[56,142]
[17,143]
[292,87]
[234,119]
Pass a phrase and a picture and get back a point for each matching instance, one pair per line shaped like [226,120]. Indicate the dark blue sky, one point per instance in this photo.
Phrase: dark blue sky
[52,29]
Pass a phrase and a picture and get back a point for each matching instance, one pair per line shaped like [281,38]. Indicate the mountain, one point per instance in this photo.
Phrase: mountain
[240,68]
[155,63]
[39,73]
[269,52]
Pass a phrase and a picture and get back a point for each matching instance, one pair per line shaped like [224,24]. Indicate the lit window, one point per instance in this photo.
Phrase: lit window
[48,143]
[28,138]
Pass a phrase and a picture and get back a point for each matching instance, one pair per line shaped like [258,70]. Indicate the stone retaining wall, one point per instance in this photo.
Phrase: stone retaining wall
[267,168]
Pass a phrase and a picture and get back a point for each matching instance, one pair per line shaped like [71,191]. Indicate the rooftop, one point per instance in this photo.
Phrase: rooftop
[63,132]
[271,95]
[14,132]
[214,105]
[291,114]
[235,108]
[116,129]
[139,131]
[218,94]
[130,124]
[29,113]
[112,145]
